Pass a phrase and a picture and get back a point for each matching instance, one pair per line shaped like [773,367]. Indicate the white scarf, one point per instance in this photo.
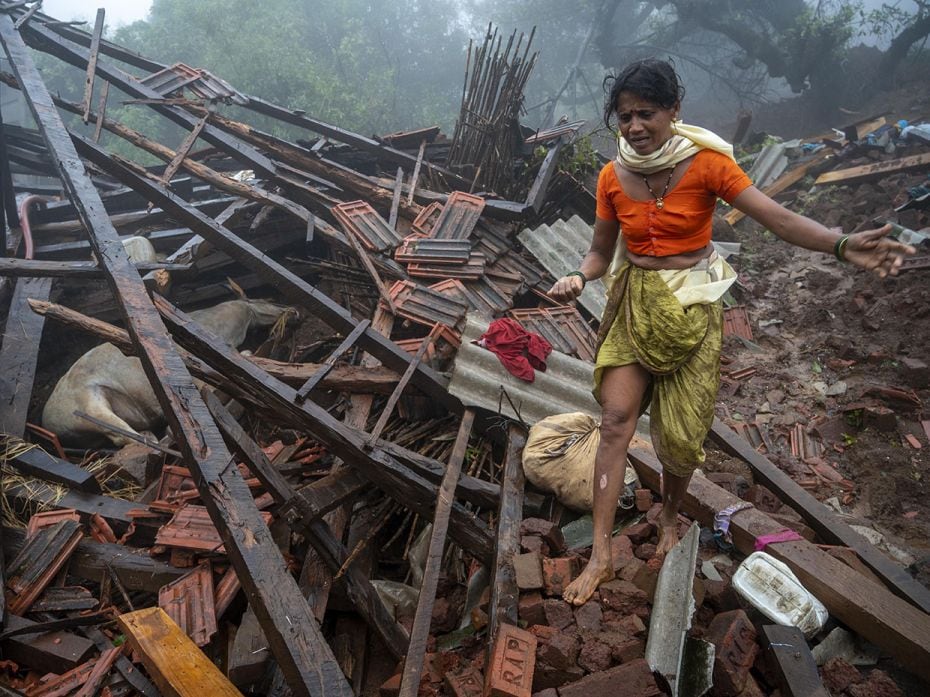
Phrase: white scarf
[686,141]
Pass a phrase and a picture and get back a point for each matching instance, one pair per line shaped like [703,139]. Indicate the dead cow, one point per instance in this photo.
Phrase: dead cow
[113,388]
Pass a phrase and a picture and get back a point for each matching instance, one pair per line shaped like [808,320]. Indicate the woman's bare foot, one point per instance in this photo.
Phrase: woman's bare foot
[668,535]
[579,591]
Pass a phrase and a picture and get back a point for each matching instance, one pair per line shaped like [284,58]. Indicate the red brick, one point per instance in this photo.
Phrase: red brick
[628,650]
[643,499]
[390,687]
[511,664]
[763,499]
[628,625]
[720,595]
[445,617]
[530,608]
[532,543]
[558,613]
[878,684]
[639,533]
[548,677]
[621,551]
[698,592]
[839,674]
[647,576]
[752,688]
[629,571]
[558,573]
[550,533]
[589,616]
[548,692]
[645,551]
[622,596]
[560,651]
[633,679]
[734,638]
[594,656]
[543,632]
[467,683]
[528,570]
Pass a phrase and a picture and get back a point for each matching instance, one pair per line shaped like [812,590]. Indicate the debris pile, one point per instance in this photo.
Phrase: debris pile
[341,505]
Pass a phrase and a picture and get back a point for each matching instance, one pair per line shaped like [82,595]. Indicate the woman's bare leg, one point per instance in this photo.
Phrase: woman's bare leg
[673,493]
[622,391]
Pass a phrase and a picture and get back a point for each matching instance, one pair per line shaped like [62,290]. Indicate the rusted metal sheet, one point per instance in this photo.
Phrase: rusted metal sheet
[563,327]
[458,217]
[46,519]
[199,81]
[191,528]
[38,563]
[473,270]
[736,322]
[425,306]
[426,250]
[189,601]
[358,218]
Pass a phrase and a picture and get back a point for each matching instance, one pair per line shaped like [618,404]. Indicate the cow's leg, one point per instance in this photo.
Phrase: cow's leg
[99,407]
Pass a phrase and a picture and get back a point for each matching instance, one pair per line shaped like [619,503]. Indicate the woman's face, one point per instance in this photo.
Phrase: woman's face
[645,125]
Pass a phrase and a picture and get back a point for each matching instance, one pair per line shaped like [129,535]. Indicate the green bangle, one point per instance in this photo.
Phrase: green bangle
[584,280]
[839,247]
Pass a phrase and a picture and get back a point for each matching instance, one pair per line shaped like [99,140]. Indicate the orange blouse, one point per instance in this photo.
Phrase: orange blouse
[684,224]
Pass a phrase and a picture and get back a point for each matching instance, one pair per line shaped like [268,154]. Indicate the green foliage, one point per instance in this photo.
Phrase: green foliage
[578,158]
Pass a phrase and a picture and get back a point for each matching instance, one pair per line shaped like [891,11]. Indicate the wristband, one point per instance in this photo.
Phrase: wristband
[839,247]
[584,281]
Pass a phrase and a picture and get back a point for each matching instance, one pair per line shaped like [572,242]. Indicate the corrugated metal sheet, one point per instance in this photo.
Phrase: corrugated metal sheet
[770,163]
[479,380]
[560,248]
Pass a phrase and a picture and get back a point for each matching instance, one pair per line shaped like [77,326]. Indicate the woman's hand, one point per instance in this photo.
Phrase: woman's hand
[567,288]
[872,250]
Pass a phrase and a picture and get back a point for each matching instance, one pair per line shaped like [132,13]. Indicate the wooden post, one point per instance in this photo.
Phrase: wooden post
[92,62]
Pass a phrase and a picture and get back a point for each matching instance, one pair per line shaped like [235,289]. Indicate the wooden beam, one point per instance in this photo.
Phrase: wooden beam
[877,170]
[289,284]
[92,62]
[829,526]
[419,634]
[346,443]
[19,354]
[39,464]
[882,618]
[35,268]
[789,657]
[176,664]
[183,150]
[328,364]
[395,200]
[293,634]
[101,110]
[504,592]
[45,652]
[537,193]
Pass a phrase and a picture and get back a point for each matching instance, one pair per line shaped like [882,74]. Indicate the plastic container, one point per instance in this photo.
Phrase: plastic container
[773,589]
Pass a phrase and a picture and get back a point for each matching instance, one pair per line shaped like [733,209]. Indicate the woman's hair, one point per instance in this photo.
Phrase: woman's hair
[650,79]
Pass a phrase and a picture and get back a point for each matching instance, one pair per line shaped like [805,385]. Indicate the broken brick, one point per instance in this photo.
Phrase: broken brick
[621,551]
[643,498]
[530,609]
[390,687]
[628,650]
[629,571]
[838,674]
[633,679]
[720,595]
[752,689]
[543,632]
[645,551]
[545,676]
[549,532]
[622,596]
[594,656]
[511,664]
[627,625]
[548,692]
[528,570]
[639,533]
[558,573]
[467,683]
[589,616]
[560,651]
[647,576]
[558,613]
[532,543]
[734,639]
[763,498]
[877,684]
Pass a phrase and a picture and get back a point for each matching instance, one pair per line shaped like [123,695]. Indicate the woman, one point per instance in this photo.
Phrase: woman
[661,334]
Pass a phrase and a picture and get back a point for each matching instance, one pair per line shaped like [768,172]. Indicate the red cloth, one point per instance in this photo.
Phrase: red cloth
[518,350]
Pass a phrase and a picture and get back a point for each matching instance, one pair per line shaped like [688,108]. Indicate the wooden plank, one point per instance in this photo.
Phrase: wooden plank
[101,110]
[416,173]
[92,62]
[44,652]
[289,284]
[332,491]
[177,666]
[876,170]
[827,524]
[395,200]
[328,364]
[70,269]
[419,634]
[183,151]
[537,193]
[789,657]
[249,655]
[504,592]
[786,180]
[293,633]
[38,463]
[19,354]
[873,612]
[346,443]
